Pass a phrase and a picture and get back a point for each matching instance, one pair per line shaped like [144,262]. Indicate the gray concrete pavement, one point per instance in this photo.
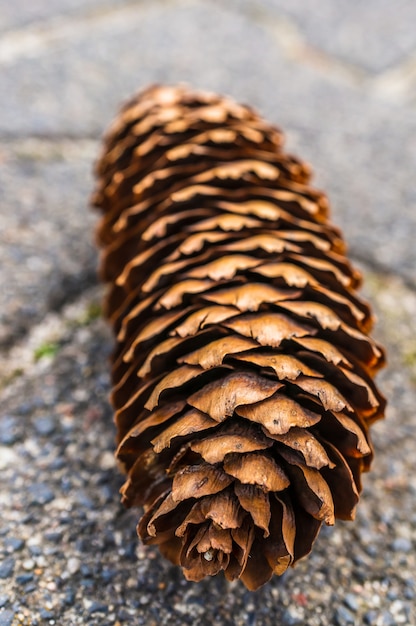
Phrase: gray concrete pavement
[340,79]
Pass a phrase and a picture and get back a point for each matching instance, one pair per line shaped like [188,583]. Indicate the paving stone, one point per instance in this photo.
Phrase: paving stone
[46,235]
[368,180]
[375,34]
[74,81]
[20,13]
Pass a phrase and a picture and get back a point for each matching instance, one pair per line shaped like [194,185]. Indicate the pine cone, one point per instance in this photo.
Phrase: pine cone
[242,369]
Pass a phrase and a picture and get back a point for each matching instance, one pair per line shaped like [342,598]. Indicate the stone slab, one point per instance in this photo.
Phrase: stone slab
[46,236]
[375,35]
[20,13]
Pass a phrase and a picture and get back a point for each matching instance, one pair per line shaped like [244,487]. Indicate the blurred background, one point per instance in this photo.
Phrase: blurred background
[340,79]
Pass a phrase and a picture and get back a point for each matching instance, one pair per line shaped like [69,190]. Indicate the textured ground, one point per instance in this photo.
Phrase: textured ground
[341,80]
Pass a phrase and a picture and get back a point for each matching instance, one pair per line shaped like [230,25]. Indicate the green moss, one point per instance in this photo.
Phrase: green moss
[409,359]
[47,349]
[9,378]
[92,312]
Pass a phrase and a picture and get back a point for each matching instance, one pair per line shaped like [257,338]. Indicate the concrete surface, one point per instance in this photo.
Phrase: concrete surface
[340,78]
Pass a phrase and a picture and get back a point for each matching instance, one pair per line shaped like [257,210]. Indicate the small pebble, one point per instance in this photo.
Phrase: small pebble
[107,575]
[392,594]
[107,461]
[57,464]
[97,607]
[291,618]
[396,607]
[84,500]
[53,536]
[73,565]
[82,545]
[6,618]
[7,568]
[44,426]
[9,431]
[3,599]
[370,618]
[28,564]
[145,599]
[40,493]
[388,619]
[22,579]
[372,551]
[13,544]
[129,550]
[69,597]
[41,561]
[86,570]
[343,616]
[24,409]
[8,458]
[401,545]
[350,601]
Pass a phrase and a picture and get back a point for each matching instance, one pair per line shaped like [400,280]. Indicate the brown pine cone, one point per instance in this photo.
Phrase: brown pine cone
[242,369]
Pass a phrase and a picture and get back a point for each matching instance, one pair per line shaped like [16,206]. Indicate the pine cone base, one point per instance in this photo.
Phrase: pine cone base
[243,370]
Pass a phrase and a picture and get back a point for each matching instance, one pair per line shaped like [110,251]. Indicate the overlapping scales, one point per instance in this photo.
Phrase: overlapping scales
[243,370]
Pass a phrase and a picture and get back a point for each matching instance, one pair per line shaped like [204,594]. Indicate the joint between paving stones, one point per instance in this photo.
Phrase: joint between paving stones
[36,36]
[295,46]
[8,139]
[394,83]
[46,337]
[372,265]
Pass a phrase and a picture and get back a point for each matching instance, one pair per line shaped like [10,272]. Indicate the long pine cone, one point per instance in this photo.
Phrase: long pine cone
[242,370]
